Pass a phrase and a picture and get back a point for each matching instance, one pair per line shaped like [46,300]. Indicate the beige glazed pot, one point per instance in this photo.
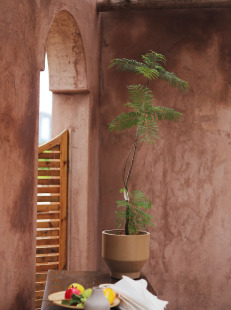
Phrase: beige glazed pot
[125,255]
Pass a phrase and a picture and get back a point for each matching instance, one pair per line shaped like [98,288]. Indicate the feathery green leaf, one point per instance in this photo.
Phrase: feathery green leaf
[140,97]
[172,79]
[164,113]
[124,120]
[148,129]
[124,64]
[147,72]
[151,58]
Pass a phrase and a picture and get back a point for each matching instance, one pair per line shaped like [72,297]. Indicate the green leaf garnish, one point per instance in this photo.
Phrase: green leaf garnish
[65,302]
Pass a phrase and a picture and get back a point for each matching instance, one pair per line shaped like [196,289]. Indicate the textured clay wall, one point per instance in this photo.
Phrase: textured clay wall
[187,172]
[24,30]
[18,140]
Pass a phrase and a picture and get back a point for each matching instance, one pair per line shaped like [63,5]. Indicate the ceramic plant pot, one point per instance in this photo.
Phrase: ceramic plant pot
[97,300]
[125,255]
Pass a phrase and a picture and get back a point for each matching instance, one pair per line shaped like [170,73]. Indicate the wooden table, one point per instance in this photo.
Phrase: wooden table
[59,280]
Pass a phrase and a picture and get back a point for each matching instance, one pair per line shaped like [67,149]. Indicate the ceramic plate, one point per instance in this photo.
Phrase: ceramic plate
[59,296]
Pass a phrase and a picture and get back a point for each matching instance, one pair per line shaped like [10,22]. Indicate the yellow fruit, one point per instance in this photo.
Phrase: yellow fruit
[77,286]
[109,294]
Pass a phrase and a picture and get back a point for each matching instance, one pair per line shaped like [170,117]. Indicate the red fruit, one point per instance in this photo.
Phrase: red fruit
[69,292]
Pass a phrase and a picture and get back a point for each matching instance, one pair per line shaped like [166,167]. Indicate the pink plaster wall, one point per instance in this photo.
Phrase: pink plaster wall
[24,29]
[74,112]
[18,141]
[187,172]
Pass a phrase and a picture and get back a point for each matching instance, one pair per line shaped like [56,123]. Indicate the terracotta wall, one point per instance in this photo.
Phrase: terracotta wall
[24,30]
[18,140]
[187,172]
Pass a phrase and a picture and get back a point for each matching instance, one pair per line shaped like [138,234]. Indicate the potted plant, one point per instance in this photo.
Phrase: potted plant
[126,250]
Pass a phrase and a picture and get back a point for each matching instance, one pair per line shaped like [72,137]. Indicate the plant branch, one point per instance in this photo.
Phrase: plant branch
[125,165]
[126,228]
[134,146]
[133,157]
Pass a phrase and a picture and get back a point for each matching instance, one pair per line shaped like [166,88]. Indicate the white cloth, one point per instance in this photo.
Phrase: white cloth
[135,296]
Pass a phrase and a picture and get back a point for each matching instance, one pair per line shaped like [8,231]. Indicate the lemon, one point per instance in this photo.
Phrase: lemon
[77,286]
[109,294]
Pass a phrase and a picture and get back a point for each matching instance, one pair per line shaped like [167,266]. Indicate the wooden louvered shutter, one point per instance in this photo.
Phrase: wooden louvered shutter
[51,241]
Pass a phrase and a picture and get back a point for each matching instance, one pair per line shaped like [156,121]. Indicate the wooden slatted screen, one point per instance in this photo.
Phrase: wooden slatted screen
[51,240]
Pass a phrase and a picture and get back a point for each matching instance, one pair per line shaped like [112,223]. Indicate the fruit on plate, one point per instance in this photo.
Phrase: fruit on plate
[77,286]
[109,294]
[87,293]
[77,300]
[70,291]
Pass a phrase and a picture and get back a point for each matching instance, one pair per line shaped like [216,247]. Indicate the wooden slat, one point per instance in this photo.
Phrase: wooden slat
[50,155]
[53,145]
[55,148]
[44,207]
[48,189]
[38,303]
[49,164]
[39,294]
[50,198]
[46,267]
[39,286]
[41,277]
[63,201]
[49,232]
[47,249]
[47,223]
[47,240]
[49,216]
[47,258]
[50,181]
[49,172]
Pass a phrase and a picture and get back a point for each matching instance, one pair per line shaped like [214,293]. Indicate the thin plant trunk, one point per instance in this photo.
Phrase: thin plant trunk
[126,179]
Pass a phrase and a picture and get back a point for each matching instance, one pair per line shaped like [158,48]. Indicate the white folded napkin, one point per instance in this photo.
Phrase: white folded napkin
[135,296]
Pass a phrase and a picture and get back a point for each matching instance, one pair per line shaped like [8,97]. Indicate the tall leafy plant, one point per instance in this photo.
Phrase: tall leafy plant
[143,115]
